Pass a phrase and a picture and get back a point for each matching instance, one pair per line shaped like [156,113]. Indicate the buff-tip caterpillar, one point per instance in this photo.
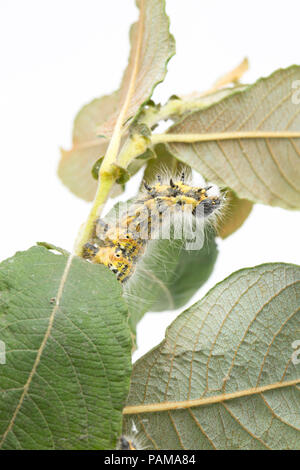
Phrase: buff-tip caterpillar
[120,245]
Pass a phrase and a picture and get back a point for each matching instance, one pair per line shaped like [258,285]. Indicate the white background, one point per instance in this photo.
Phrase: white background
[57,55]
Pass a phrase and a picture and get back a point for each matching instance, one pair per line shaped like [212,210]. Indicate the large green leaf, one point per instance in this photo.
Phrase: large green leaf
[64,325]
[151,48]
[168,276]
[225,377]
[249,141]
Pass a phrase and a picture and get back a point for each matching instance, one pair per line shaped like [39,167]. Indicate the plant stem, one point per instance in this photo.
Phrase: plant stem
[132,148]
[105,183]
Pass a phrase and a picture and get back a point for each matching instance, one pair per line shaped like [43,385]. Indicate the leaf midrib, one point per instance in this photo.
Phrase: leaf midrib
[186,404]
[41,348]
[194,137]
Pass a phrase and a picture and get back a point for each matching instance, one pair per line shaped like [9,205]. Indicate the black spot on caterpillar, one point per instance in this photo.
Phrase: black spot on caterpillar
[119,245]
[126,443]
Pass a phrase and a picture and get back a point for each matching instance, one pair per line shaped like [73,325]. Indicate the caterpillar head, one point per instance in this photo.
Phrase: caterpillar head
[208,201]
[202,201]
[119,254]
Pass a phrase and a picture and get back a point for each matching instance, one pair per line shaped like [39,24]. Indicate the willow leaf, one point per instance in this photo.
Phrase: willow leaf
[68,353]
[151,48]
[249,141]
[225,377]
[168,276]
[234,75]
[235,213]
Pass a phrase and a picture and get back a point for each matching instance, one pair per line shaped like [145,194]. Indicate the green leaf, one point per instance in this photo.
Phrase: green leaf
[163,164]
[192,269]
[54,248]
[96,168]
[168,275]
[225,376]
[68,353]
[254,145]
[152,46]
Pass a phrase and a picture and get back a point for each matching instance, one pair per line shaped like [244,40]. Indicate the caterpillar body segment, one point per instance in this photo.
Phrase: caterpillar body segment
[121,244]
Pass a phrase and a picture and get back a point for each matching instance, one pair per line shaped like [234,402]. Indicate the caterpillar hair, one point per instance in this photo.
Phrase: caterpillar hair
[131,442]
[120,245]
[126,443]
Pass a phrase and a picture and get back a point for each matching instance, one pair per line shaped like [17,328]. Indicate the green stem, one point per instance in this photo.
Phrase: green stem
[105,184]
[134,146]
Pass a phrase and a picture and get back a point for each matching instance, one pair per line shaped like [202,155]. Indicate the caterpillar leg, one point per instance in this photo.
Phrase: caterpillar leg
[100,229]
[91,248]
[89,251]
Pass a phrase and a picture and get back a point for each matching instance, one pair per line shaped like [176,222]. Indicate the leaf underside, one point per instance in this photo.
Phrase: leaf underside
[152,46]
[237,339]
[235,213]
[264,170]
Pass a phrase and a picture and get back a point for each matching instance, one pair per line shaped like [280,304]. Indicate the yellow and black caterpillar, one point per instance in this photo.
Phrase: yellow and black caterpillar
[120,245]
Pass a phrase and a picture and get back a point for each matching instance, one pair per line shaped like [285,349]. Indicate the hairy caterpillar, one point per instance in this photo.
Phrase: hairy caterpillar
[120,245]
